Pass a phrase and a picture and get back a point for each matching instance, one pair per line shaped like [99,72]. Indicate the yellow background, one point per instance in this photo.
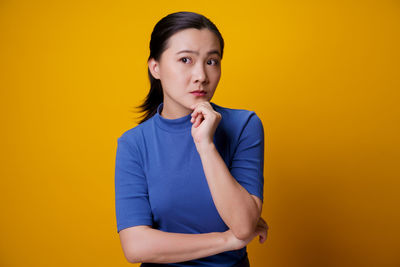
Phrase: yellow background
[322,75]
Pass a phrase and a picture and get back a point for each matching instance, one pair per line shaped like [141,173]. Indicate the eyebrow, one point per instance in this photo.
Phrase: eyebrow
[197,53]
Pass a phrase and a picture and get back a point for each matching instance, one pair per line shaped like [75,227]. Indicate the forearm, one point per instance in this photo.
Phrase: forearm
[235,205]
[155,246]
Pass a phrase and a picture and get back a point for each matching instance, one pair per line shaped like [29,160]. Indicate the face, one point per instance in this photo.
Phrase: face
[191,62]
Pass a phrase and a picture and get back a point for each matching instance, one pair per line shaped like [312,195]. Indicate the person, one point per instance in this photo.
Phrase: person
[189,177]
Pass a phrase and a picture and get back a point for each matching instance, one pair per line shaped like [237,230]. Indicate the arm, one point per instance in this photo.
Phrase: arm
[145,244]
[239,209]
[139,241]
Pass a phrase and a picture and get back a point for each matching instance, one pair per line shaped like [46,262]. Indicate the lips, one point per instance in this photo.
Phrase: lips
[199,93]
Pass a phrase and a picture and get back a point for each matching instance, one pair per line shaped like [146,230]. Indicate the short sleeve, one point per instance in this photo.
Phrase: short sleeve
[247,164]
[131,192]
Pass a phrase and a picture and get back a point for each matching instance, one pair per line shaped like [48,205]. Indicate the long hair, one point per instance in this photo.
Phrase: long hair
[163,30]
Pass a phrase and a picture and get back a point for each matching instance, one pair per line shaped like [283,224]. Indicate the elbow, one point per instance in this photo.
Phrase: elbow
[133,257]
[138,254]
[245,230]
[135,250]
[132,253]
[244,233]
[130,257]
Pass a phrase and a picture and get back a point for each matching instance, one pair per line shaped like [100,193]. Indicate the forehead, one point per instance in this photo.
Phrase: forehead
[193,39]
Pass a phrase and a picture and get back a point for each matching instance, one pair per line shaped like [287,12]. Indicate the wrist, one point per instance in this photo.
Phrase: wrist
[228,240]
[205,148]
[231,242]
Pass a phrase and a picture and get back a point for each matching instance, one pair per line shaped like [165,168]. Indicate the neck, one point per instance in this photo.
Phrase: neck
[174,112]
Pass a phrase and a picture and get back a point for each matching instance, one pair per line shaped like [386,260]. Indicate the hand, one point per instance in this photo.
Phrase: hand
[261,230]
[205,121]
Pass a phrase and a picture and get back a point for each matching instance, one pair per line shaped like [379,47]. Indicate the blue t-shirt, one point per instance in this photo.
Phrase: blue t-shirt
[159,177]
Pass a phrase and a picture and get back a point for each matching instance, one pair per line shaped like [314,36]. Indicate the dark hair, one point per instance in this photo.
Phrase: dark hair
[163,30]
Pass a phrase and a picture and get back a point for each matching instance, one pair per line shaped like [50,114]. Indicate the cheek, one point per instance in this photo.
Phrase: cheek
[181,78]
[168,74]
[175,74]
[175,80]
[215,75]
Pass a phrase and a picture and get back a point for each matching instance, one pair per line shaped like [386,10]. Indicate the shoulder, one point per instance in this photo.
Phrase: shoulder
[136,134]
[234,118]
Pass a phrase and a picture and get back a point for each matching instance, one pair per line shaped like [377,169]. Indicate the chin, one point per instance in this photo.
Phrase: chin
[201,100]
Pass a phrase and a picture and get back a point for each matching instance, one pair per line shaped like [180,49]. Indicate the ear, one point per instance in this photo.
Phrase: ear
[154,68]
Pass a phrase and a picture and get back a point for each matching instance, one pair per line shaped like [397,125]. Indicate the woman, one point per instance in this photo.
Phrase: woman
[189,177]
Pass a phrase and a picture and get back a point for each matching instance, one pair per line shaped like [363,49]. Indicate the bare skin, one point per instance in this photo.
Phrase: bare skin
[144,244]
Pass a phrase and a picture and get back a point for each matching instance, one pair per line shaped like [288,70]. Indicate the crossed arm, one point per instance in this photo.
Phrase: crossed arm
[239,210]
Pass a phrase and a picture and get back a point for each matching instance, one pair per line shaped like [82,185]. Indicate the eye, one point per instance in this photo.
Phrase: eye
[213,62]
[185,60]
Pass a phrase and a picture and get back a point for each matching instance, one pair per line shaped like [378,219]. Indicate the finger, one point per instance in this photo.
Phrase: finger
[201,119]
[265,227]
[193,119]
[202,109]
[195,112]
[262,239]
[263,236]
[207,103]
[261,222]
[264,222]
[194,115]
[198,120]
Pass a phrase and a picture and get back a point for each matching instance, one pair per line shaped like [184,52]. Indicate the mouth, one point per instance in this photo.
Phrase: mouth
[199,93]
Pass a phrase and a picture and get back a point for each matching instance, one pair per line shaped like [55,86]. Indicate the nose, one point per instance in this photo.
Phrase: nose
[200,74]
